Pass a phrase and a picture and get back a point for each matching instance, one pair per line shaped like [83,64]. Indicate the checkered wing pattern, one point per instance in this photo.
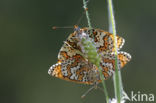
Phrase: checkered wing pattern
[72,66]
[105,40]
[108,62]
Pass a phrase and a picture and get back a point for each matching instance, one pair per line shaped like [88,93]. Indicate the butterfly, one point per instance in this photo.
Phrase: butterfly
[72,64]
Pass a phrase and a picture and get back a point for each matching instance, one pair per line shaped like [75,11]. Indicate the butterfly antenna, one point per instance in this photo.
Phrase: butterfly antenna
[83,13]
[81,17]
[100,88]
[90,89]
[75,26]
[77,23]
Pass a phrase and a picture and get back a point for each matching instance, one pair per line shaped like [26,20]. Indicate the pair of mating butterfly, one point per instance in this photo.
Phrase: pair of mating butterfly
[72,64]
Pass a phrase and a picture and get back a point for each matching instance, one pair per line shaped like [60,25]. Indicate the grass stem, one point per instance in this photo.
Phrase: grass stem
[87,13]
[117,75]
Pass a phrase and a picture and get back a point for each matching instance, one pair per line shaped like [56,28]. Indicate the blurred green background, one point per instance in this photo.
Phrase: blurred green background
[28,47]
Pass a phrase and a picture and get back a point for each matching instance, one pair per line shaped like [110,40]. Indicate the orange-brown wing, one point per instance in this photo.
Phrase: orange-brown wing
[74,69]
[67,51]
[69,48]
[105,41]
[108,62]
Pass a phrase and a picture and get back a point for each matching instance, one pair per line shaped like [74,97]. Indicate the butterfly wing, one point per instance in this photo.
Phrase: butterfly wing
[105,41]
[70,48]
[108,62]
[74,69]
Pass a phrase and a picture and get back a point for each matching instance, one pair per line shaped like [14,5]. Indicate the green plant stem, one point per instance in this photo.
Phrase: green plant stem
[104,84]
[87,14]
[97,64]
[117,75]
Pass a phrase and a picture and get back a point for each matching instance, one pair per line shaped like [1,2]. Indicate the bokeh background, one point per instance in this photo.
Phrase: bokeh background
[28,47]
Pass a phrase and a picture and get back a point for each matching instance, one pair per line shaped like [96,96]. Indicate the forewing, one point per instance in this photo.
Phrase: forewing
[69,48]
[105,41]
